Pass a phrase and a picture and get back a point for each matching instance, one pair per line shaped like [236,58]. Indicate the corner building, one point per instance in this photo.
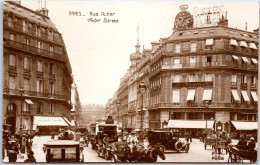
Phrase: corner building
[36,70]
[197,78]
[207,73]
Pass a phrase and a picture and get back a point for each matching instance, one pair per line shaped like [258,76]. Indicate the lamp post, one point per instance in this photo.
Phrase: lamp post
[21,112]
[142,88]
[207,106]
[118,103]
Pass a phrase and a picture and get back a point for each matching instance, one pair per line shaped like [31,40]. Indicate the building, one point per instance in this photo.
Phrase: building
[36,72]
[76,111]
[91,113]
[200,75]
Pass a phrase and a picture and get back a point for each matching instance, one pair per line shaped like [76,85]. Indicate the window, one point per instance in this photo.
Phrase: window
[51,49]
[25,26]
[39,66]
[177,78]
[40,45]
[243,79]
[12,37]
[27,41]
[26,63]
[12,61]
[192,78]
[26,107]
[169,47]
[52,88]
[208,77]
[233,79]
[192,61]
[38,31]
[51,69]
[51,108]
[209,44]
[39,107]
[10,22]
[193,47]
[176,60]
[39,86]
[209,60]
[176,96]
[50,35]
[26,84]
[12,82]
[177,48]
[253,81]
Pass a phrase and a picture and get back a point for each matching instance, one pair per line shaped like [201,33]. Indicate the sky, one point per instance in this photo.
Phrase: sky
[99,52]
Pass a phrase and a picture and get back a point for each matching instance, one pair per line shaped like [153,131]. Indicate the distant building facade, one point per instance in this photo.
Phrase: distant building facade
[76,111]
[36,69]
[91,113]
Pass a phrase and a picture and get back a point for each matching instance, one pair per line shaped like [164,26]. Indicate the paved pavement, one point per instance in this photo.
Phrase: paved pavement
[197,153]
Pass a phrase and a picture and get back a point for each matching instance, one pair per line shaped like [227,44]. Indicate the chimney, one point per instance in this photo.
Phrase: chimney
[256,31]
[42,10]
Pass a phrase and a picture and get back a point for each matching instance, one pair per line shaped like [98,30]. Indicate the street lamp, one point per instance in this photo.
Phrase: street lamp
[142,88]
[21,120]
[207,106]
[118,103]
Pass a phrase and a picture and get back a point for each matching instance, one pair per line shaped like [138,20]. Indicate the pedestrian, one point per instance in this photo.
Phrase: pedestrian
[187,137]
[242,143]
[251,144]
[190,136]
[13,151]
[52,134]
[23,143]
[30,157]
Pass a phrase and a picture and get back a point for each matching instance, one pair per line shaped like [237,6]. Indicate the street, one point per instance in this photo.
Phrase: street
[195,154]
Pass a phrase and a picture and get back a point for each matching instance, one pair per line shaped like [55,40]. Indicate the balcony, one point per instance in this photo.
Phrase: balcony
[243,85]
[39,112]
[52,75]
[26,112]
[32,49]
[202,105]
[35,94]
[26,71]
[193,84]
[39,73]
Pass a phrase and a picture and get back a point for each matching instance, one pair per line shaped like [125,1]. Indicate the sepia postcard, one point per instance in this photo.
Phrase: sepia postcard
[130,81]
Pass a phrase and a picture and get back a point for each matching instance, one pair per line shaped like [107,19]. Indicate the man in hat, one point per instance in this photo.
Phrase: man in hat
[12,150]
[242,143]
[251,144]
[132,140]
[30,156]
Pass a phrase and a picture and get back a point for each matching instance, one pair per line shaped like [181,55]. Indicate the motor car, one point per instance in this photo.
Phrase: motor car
[168,139]
[63,151]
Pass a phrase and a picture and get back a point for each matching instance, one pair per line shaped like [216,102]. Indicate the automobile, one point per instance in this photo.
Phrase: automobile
[63,151]
[168,139]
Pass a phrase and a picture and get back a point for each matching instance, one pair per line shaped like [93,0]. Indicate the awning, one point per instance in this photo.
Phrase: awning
[245,59]
[235,57]
[254,60]
[191,94]
[207,94]
[254,95]
[243,43]
[48,121]
[233,42]
[190,123]
[28,101]
[252,46]
[245,95]
[245,125]
[209,42]
[235,94]
[67,121]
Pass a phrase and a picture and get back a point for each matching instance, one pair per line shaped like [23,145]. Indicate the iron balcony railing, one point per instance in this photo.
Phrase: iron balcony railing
[36,94]
[212,105]
[33,49]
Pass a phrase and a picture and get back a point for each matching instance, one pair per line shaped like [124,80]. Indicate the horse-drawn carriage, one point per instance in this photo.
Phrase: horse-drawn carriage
[238,154]
[168,139]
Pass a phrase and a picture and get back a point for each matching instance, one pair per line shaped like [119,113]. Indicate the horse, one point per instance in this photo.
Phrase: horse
[151,154]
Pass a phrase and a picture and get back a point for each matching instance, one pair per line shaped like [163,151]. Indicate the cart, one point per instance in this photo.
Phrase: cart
[210,139]
[238,155]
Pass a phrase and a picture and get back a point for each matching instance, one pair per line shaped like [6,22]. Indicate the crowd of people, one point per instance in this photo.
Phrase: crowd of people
[17,144]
